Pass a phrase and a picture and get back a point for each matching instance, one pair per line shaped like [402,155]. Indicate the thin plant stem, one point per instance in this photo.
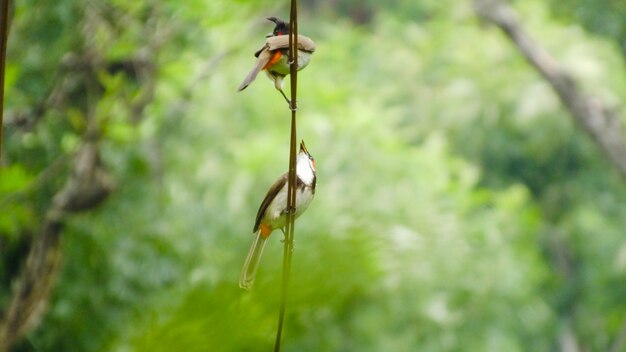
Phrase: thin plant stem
[291,189]
[4,34]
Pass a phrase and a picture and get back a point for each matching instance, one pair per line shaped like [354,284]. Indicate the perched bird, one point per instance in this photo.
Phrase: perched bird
[272,213]
[273,57]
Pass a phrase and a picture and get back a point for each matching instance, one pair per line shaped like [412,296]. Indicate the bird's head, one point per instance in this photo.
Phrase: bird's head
[281,27]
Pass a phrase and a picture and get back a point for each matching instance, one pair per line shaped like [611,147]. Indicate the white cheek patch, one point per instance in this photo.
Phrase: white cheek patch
[304,170]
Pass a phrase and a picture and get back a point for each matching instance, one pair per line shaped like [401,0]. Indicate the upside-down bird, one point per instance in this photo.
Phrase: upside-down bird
[273,57]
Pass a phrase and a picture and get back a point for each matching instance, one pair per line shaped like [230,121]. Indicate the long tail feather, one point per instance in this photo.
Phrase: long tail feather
[248,273]
[258,66]
[250,77]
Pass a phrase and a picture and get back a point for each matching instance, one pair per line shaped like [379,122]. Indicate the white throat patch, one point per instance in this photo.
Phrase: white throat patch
[304,169]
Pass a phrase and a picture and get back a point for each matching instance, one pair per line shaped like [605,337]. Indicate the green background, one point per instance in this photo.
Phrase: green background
[458,206]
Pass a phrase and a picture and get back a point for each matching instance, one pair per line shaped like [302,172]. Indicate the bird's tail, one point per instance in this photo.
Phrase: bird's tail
[251,76]
[248,273]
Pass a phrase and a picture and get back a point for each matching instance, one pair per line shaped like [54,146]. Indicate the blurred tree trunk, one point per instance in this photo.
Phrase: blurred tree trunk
[599,121]
[77,87]
[88,185]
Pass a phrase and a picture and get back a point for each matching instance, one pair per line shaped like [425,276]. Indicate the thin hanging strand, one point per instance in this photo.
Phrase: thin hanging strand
[4,34]
[291,189]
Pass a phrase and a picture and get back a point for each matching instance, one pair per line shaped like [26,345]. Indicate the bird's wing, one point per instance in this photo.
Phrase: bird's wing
[263,57]
[256,53]
[282,42]
[271,194]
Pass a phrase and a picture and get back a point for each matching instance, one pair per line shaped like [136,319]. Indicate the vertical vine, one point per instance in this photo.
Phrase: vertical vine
[291,189]
[4,34]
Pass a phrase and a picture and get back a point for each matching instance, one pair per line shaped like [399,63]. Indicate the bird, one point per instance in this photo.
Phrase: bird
[272,213]
[273,56]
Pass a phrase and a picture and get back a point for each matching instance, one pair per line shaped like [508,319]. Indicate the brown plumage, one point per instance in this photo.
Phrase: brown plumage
[273,56]
[272,213]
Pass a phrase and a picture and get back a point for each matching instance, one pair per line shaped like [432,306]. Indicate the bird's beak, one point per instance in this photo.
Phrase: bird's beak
[270,34]
[303,147]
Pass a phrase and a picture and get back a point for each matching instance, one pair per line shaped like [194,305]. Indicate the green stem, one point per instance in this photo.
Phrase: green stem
[291,189]
[4,34]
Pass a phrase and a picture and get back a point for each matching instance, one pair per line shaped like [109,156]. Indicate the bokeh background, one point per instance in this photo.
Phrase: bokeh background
[458,206]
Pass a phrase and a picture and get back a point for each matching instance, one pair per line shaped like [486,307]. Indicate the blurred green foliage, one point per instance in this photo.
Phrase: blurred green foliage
[604,18]
[458,208]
